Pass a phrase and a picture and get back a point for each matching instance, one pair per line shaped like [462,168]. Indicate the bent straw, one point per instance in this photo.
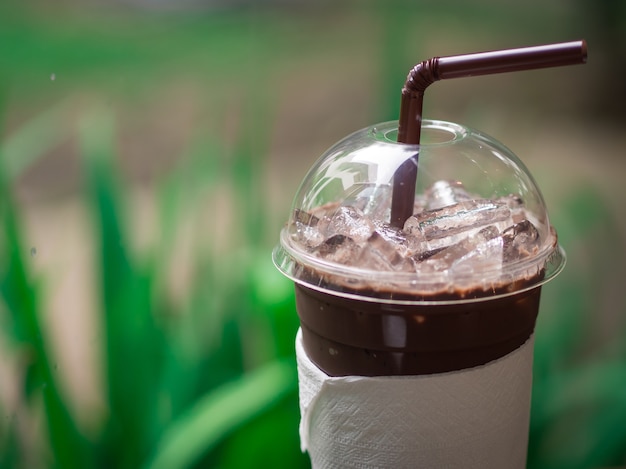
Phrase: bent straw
[440,68]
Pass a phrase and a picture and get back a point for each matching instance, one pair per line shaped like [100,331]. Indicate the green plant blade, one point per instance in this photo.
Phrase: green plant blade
[133,342]
[20,295]
[222,411]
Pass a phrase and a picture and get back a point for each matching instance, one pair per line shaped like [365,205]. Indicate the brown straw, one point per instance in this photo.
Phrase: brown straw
[440,68]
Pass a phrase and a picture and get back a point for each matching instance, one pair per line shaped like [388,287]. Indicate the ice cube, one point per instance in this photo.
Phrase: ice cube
[422,255]
[481,253]
[449,225]
[300,216]
[398,238]
[520,241]
[516,205]
[338,248]
[382,254]
[373,201]
[306,230]
[347,221]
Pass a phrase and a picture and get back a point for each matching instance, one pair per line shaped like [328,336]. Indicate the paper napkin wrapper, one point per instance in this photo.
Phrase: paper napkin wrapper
[474,418]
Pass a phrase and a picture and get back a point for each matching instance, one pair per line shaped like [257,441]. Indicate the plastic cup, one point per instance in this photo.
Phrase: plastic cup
[456,289]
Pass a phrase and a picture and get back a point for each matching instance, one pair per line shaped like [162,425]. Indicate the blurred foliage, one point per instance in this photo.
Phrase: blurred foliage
[175,393]
[200,372]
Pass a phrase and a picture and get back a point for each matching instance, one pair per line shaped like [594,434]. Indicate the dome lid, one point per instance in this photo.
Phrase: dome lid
[479,227]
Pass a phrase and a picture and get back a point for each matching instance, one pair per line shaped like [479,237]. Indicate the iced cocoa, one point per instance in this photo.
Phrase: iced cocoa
[456,286]
[453,234]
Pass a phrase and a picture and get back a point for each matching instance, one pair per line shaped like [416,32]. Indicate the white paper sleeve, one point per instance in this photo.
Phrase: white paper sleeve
[474,418]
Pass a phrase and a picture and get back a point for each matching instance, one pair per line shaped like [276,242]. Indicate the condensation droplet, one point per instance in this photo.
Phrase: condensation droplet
[33,252]
[53,76]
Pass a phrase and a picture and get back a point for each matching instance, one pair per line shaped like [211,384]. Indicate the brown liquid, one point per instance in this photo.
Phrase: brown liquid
[346,336]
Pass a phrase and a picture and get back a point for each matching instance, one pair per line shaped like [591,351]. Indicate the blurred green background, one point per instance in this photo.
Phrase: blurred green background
[149,152]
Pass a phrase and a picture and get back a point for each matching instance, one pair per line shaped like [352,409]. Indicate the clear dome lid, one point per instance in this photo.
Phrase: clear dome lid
[479,226]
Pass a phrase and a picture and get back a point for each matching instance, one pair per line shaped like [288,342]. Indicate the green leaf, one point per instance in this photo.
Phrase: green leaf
[20,295]
[272,438]
[222,411]
[581,418]
[134,347]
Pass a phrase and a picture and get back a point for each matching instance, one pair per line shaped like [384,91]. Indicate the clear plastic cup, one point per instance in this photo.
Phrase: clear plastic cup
[416,341]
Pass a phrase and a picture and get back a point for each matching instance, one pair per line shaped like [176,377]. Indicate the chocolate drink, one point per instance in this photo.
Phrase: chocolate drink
[426,333]
[456,287]
[352,337]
